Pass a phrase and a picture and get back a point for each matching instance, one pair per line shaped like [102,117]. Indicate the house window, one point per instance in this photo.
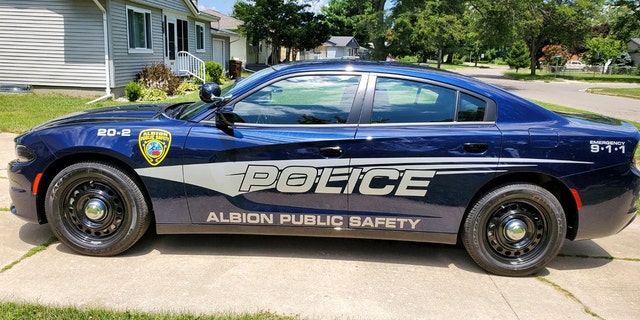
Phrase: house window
[200,37]
[183,35]
[139,30]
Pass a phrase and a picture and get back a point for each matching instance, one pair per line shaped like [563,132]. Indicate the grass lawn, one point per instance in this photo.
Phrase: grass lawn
[560,108]
[9,310]
[579,76]
[19,112]
[633,93]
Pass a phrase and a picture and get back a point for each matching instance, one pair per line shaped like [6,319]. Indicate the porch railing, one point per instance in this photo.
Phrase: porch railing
[189,64]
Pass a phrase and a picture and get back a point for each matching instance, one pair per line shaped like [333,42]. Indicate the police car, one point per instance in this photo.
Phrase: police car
[335,149]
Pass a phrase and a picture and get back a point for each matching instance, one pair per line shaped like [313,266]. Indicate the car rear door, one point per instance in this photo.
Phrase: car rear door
[285,163]
[422,150]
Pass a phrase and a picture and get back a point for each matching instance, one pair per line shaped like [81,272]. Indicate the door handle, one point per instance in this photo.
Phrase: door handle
[476,147]
[331,152]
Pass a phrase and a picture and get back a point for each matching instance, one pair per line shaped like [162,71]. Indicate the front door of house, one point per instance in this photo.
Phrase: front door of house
[218,52]
[176,39]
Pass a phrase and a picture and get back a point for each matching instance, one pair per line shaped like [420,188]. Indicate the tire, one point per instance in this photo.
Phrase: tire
[96,209]
[514,230]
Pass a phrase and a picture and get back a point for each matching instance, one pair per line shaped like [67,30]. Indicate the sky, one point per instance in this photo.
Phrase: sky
[226,6]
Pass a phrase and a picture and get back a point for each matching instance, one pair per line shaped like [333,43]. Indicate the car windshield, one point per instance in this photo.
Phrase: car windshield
[188,111]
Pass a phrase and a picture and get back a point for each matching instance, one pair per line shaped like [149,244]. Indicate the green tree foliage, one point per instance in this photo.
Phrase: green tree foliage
[426,28]
[280,23]
[342,19]
[306,32]
[537,22]
[518,56]
[626,24]
[364,19]
[602,49]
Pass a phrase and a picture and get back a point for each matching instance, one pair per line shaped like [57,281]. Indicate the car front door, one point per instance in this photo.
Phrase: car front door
[285,160]
[422,151]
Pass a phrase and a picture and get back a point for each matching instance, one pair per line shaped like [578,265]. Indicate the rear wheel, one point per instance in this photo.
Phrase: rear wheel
[96,209]
[514,230]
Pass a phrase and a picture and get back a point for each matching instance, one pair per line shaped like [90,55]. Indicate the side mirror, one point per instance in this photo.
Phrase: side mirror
[225,118]
[209,92]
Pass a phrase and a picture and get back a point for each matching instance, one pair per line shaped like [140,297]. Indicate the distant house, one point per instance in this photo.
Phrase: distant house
[228,42]
[335,48]
[633,47]
[97,45]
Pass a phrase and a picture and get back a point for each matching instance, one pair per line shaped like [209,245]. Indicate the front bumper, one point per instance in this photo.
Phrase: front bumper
[23,200]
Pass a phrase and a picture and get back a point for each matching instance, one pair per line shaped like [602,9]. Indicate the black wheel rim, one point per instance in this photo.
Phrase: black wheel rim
[517,232]
[92,210]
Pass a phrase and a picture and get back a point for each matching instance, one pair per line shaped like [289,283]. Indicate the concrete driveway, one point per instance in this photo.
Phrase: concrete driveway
[315,278]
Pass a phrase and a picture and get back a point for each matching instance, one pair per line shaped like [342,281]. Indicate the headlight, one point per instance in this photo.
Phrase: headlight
[24,154]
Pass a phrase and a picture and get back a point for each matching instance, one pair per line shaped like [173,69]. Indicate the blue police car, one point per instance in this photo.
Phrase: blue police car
[335,149]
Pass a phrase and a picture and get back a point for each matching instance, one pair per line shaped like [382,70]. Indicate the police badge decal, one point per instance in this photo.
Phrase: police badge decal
[154,145]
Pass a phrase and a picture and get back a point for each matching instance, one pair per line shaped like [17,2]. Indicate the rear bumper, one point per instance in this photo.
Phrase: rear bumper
[610,206]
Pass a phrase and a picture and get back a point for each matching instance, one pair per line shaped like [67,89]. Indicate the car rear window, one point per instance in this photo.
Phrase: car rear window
[406,101]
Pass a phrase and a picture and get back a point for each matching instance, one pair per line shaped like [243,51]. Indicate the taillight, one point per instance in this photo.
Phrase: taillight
[636,157]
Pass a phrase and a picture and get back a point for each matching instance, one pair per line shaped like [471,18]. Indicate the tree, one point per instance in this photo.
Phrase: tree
[280,23]
[603,49]
[363,19]
[424,28]
[341,17]
[555,54]
[518,56]
[537,22]
[626,24]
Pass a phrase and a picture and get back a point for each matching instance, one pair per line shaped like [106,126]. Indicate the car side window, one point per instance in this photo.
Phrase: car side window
[319,99]
[403,101]
[471,108]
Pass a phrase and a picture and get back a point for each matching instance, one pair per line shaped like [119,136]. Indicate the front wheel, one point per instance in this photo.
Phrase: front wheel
[96,208]
[514,230]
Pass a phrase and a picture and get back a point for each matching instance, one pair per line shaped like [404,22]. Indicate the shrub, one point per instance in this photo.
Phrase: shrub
[185,87]
[408,59]
[159,76]
[213,72]
[133,90]
[153,94]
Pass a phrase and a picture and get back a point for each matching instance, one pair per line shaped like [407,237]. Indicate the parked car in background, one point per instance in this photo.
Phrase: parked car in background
[575,65]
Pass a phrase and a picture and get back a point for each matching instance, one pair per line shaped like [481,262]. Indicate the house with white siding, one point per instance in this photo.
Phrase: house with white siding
[337,47]
[99,45]
[228,42]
